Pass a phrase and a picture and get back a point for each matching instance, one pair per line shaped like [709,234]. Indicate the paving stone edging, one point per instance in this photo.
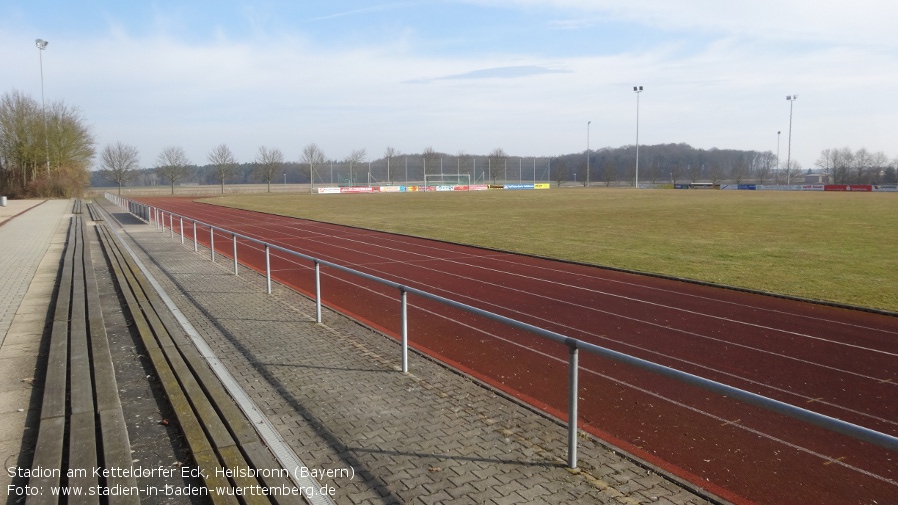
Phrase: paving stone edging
[333,392]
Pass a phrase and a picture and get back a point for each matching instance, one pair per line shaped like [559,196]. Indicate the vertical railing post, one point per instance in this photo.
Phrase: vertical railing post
[267,269]
[171,225]
[234,235]
[212,241]
[196,245]
[317,292]
[181,220]
[573,369]
[162,219]
[404,295]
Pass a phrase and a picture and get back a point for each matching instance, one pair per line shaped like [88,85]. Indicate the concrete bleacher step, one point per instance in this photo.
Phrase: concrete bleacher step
[82,425]
[218,433]
[79,386]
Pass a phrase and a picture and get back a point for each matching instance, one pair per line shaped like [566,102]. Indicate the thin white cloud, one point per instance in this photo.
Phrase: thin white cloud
[868,23]
[285,89]
[507,72]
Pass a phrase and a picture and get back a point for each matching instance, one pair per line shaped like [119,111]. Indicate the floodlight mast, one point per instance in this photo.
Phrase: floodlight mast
[41,46]
[791,99]
[637,90]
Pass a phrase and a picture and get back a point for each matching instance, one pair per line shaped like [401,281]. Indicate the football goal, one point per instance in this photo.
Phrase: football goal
[447,180]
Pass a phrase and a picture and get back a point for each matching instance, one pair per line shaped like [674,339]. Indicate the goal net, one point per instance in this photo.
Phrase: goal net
[447,180]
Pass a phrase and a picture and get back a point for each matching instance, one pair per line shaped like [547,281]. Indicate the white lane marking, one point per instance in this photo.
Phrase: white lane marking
[825,458]
[629,318]
[598,292]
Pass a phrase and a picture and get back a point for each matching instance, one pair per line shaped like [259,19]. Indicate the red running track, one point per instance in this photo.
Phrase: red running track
[839,362]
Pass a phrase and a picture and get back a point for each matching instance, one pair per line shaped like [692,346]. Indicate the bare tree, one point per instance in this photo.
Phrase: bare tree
[430,158]
[224,162]
[793,171]
[57,147]
[655,170]
[695,170]
[676,171]
[119,161]
[740,170]
[837,163]
[890,174]
[71,142]
[463,165]
[765,163]
[389,153]
[879,162]
[172,164]
[561,172]
[497,157]
[609,171]
[356,156]
[862,164]
[270,161]
[21,137]
[313,156]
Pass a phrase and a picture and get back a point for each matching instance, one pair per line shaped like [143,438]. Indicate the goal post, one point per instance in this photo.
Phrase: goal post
[440,180]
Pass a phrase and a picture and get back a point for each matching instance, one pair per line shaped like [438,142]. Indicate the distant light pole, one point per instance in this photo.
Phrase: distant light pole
[587,155]
[791,99]
[41,46]
[285,181]
[637,90]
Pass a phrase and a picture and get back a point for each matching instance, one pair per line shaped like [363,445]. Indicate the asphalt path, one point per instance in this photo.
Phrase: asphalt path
[836,361]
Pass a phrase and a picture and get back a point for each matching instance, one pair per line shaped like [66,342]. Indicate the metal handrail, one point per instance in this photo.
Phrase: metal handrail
[152,215]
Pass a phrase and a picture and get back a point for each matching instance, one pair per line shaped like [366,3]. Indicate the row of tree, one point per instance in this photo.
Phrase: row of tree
[47,151]
[845,166]
[44,151]
[667,163]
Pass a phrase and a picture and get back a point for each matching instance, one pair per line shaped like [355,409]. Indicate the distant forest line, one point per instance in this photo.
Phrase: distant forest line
[664,163]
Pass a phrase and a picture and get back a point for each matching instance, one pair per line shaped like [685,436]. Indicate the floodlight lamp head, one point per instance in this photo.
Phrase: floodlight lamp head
[41,44]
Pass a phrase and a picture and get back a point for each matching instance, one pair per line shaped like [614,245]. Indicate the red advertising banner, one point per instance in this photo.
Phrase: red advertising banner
[848,187]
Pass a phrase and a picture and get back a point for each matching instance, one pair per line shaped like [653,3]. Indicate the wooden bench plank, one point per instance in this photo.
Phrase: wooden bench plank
[117,454]
[82,457]
[115,444]
[260,457]
[200,447]
[48,456]
[208,417]
[81,398]
[233,459]
[53,403]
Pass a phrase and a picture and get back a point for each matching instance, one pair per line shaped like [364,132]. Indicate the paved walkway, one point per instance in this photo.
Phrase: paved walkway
[23,242]
[372,434]
[334,393]
[31,245]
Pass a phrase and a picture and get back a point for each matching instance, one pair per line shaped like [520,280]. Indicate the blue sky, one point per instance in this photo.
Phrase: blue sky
[462,75]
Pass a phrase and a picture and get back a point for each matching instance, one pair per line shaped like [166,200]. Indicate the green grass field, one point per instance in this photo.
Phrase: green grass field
[840,247]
